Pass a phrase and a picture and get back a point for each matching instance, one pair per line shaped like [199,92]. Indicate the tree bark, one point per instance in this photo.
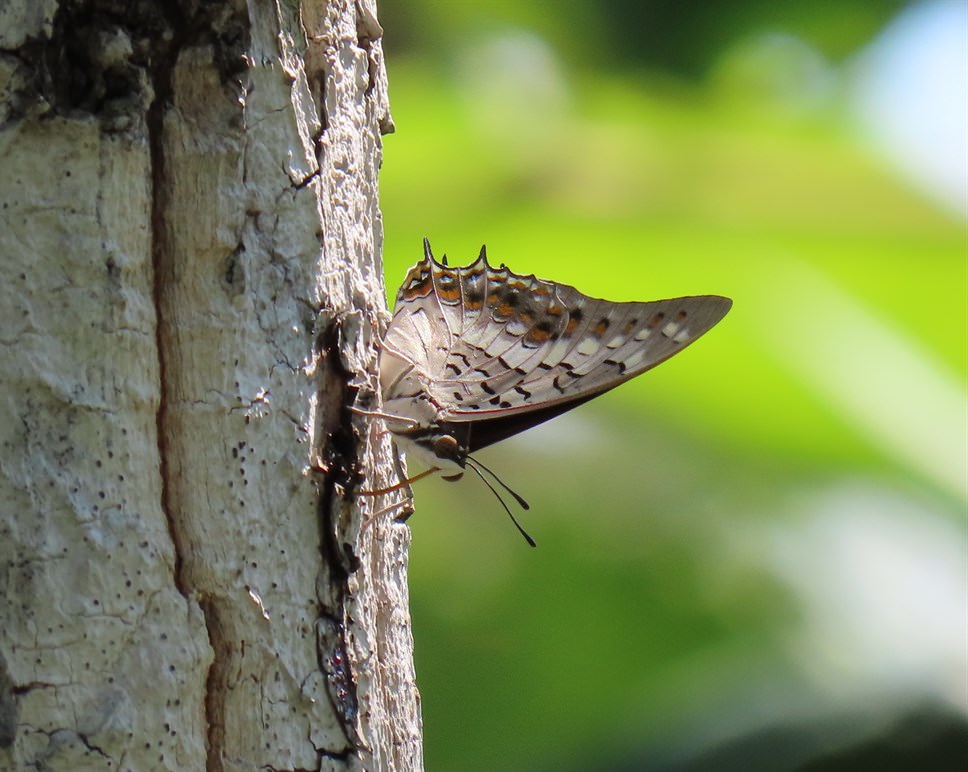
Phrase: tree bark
[192,300]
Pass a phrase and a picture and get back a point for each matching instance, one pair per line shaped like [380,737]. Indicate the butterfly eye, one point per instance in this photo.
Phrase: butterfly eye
[447,447]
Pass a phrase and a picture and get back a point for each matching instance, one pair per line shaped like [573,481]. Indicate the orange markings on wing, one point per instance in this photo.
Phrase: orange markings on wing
[419,285]
[449,290]
[538,335]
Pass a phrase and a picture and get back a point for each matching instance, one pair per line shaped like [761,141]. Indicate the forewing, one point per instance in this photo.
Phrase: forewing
[498,348]
[559,346]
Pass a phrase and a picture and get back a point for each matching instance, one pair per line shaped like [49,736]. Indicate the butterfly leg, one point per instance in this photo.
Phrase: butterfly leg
[399,485]
[405,503]
[402,504]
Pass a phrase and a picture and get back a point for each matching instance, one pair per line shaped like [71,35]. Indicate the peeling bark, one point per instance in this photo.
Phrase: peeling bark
[191,238]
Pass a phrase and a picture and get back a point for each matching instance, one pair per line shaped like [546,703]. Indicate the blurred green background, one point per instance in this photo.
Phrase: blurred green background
[755,556]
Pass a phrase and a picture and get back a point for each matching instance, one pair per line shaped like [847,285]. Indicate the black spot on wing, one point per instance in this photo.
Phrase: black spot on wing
[619,365]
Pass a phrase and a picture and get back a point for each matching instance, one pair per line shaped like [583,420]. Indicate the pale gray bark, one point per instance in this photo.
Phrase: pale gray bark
[190,240]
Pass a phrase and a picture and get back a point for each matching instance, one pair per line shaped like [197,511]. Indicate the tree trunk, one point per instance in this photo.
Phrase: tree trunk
[192,300]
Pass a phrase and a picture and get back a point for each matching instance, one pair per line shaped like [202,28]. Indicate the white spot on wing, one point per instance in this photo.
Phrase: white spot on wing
[517,355]
[557,351]
[616,342]
[670,329]
[635,360]
[587,347]
[588,366]
[517,326]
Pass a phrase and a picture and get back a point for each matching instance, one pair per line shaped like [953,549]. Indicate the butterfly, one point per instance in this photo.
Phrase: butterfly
[474,355]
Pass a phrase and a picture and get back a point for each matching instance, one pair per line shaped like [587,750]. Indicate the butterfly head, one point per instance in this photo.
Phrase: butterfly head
[444,446]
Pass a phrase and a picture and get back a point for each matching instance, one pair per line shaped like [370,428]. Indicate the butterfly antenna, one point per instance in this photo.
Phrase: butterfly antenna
[427,253]
[497,495]
[518,498]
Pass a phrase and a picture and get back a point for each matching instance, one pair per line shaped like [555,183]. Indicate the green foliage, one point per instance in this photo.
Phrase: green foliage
[653,603]
[682,38]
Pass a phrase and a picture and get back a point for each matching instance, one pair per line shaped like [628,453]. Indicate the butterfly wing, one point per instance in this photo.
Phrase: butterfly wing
[505,351]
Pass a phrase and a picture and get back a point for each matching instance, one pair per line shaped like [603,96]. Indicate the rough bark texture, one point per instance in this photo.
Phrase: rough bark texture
[192,294]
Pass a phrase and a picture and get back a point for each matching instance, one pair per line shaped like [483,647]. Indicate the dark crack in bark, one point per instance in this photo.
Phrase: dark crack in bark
[338,443]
